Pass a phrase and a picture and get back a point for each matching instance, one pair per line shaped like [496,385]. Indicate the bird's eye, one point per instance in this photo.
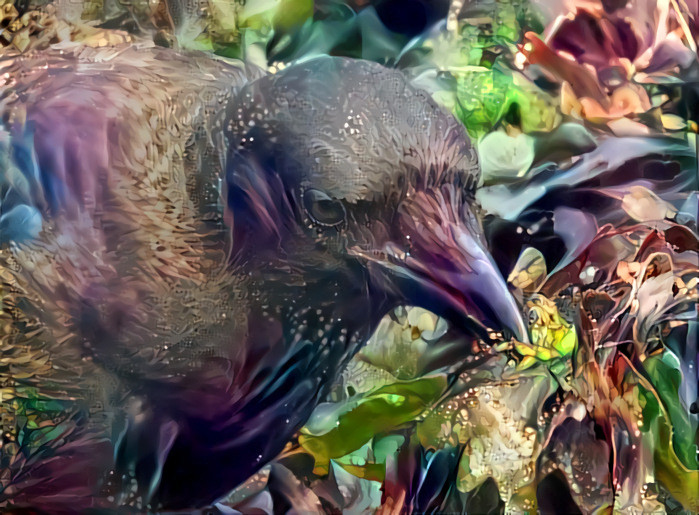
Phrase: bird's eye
[322,209]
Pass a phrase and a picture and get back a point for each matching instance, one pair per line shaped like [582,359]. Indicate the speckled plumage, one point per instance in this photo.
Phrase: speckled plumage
[353,128]
[181,271]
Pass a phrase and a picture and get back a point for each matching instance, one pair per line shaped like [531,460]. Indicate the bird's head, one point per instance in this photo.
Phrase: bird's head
[342,170]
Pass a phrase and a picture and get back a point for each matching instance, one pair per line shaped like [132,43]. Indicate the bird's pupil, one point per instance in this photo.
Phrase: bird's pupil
[328,212]
[326,208]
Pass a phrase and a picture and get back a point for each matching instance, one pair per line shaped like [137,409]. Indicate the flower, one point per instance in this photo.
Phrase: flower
[600,57]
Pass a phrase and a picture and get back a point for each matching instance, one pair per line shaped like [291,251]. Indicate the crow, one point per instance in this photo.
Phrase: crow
[203,246]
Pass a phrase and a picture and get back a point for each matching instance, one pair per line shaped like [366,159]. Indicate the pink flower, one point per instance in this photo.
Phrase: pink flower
[602,56]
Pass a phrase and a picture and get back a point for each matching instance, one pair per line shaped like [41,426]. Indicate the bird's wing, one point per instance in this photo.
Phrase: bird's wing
[117,146]
[113,245]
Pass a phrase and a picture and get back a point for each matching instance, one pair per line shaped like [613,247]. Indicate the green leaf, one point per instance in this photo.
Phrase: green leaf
[679,480]
[382,410]
[666,376]
[293,13]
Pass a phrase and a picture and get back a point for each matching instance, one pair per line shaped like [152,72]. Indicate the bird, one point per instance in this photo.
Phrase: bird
[211,243]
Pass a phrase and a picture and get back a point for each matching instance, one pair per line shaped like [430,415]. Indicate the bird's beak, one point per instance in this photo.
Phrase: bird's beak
[443,265]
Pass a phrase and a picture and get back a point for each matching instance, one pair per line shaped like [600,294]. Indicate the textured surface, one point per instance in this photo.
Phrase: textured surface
[201,295]
[280,288]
